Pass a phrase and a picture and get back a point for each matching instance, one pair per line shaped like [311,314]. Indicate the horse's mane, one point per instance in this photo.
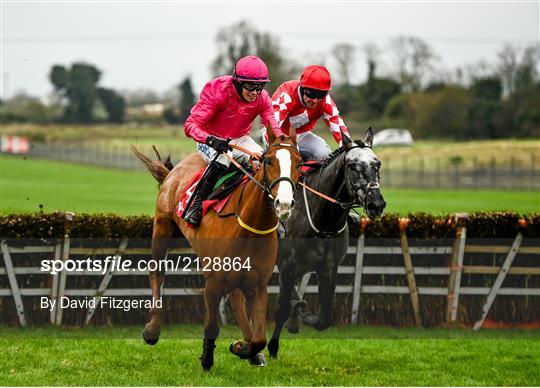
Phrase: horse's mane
[330,158]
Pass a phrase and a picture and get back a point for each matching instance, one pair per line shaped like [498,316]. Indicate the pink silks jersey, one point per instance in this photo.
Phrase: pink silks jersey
[289,111]
[221,112]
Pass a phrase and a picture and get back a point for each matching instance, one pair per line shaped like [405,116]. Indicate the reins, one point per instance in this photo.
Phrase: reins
[265,188]
[344,205]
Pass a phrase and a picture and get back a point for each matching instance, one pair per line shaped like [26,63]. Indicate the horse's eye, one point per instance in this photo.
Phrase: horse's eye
[268,162]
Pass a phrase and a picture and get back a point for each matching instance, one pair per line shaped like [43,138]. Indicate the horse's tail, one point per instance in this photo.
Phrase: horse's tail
[158,169]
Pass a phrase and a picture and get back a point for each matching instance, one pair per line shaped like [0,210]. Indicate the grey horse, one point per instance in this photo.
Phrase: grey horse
[317,234]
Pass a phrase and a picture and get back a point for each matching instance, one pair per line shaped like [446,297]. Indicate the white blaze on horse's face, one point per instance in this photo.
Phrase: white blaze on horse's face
[284,199]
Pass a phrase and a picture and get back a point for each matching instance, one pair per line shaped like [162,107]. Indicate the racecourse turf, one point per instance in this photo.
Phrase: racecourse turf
[27,183]
[344,356]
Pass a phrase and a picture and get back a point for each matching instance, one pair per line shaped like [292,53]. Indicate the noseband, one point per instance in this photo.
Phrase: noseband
[267,187]
[344,205]
[363,198]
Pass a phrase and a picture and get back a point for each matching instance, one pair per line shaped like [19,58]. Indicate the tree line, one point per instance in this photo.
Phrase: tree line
[410,90]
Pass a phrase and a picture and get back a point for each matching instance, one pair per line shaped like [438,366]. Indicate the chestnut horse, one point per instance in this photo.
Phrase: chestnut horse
[250,235]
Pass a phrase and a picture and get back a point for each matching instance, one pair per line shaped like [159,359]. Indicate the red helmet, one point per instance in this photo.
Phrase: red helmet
[251,69]
[316,77]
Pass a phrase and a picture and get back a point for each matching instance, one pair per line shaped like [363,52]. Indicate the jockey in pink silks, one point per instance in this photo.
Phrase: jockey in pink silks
[224,115]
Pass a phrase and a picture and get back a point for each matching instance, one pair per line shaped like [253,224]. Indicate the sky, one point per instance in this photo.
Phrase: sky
[154,45]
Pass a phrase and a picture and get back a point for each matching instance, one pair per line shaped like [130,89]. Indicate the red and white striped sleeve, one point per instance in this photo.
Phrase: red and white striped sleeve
[333,120]
[281,109]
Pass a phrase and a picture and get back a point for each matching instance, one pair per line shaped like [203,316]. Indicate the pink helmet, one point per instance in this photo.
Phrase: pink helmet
[251,69]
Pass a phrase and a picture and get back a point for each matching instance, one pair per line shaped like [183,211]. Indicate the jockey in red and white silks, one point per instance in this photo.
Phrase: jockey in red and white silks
[300,103]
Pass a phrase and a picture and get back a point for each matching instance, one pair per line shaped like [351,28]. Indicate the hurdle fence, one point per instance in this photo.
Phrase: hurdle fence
[453,254]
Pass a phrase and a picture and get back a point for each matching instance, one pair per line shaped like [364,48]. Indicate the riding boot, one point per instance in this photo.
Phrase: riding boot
[353,219]
[281,231]
[194,213]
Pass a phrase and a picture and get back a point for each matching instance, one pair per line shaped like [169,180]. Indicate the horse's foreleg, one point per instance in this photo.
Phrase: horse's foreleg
[258,314]
[286,288]
[258,301]
[239,307]
[238,303]
[212,297]
[163,230]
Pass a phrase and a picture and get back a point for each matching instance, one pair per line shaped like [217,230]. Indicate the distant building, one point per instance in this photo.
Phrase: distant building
[153,109]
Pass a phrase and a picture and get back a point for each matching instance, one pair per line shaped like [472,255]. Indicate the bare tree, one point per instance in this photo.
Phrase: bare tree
[414,59]
[518,74]
[372,53]
[344,54]
[478,70]
[314,57]
[241,39]
[507,67]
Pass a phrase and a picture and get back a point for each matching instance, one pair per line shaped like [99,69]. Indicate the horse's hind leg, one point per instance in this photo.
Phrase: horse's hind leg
[212,297]
[162,231]
[327,288]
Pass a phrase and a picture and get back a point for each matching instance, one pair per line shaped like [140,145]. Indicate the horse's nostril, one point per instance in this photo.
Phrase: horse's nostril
[292,203]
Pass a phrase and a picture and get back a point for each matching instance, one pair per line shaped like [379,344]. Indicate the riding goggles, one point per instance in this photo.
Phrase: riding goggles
[314,93]
[252,86]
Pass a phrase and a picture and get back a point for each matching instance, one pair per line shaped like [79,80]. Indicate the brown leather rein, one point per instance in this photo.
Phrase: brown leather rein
[257,157]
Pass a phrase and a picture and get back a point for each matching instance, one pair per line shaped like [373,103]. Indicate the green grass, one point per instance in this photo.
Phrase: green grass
[27,183]
[448,201]
[345,356]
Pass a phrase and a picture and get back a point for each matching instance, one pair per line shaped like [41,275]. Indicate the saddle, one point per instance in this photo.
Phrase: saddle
[230,179]
[309,165]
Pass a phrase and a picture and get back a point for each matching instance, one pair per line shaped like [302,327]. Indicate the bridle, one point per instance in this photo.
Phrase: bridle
[346,206]
[265,187]
[268,186]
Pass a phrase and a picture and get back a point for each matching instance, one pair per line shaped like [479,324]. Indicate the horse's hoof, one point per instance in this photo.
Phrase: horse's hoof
[149,337]
[293,325]
[240,349]
[297,306]
[206,365]
[258,360]
[273,347]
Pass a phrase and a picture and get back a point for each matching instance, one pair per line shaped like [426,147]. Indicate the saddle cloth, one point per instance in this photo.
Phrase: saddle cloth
[308,166]
[215,204]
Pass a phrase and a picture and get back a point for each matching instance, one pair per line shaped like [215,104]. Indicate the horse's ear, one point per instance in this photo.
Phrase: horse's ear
[369,137]
[270,134]
[292,134]
[345,140]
